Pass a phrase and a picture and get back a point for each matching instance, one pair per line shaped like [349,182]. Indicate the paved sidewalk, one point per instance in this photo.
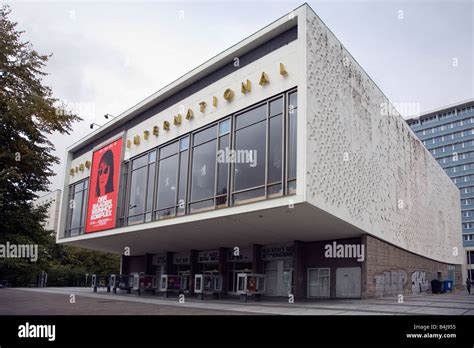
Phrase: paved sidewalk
[105,303]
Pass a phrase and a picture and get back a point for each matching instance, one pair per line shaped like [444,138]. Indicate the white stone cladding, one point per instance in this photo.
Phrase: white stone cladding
[369,168]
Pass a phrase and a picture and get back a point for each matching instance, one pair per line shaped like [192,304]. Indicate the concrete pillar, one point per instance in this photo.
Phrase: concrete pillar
[363,271]
[148,263]
[257,262]
[124,264]
[169,263]
[299,274]
[193,269]
[223,268]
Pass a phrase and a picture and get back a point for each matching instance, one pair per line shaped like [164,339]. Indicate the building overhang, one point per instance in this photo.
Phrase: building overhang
[303,222]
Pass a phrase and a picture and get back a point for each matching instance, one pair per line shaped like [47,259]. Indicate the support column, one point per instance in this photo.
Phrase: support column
[148,263]
[193,269]
[223,268]
[299,276]
[169,263]
[124,264]
[257,262]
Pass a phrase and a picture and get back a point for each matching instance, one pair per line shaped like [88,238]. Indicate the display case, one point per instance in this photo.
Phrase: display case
[121,282]
[100,281]
[250,284]
[207,283]
[143,283]
[174,283]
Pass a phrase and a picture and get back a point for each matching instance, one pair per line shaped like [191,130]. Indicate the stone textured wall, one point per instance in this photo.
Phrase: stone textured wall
[366,167]
[392,271]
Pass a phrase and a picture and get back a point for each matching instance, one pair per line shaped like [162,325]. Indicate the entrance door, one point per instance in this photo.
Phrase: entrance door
[278,278]
[318,282]
[348,282]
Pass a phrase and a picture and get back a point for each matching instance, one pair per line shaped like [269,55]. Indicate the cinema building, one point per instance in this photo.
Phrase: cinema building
[275,159]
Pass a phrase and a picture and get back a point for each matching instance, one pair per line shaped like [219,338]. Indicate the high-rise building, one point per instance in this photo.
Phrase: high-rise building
[448,133]
[52,218]
[272,168]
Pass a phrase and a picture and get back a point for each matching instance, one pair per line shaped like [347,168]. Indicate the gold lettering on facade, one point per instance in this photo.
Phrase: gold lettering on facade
[81,167]
[88,164]
[156,130]
[177,120]
[214,101]
[283,71]
[228,94]
[246,87]
[166,125]
[202,106]
[136,140]
[146,134]
[189,114]
[264,79]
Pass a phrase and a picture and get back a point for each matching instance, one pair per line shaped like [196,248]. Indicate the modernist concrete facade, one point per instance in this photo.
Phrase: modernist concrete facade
[333,169]
[448,134]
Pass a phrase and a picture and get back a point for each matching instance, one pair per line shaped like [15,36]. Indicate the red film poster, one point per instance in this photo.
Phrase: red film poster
[103,188]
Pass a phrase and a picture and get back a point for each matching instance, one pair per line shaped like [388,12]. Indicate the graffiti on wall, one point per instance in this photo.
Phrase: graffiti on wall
[390,282]
[419,283]
[396,281]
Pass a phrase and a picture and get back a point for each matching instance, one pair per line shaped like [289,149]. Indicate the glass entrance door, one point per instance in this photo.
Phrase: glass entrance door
[278,278]
[318,282]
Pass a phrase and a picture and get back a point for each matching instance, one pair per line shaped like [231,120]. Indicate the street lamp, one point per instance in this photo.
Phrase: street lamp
[94,124]
[108,115]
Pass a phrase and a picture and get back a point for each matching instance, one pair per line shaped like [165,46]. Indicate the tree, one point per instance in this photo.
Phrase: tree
[28,114]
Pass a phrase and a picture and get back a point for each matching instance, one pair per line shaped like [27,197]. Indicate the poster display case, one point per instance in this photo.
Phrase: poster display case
[100,281]
[249,284]
[121,282]
[207,284]
[174,283]
[143,283]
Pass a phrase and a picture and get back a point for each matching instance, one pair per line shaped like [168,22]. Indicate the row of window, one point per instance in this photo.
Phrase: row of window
[456,146]
[468,225]
[468,189]
[468,237]
[461,168]
[246,157]
[466,201]
[470,257]
[451,136]
[458,111]
[444,127]
[456,157]
[468,213]
[463,179]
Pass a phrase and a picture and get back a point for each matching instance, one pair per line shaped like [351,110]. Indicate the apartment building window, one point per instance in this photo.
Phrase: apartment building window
[467,225]
[77,208]
[470,257]
[466,202]
[469,237]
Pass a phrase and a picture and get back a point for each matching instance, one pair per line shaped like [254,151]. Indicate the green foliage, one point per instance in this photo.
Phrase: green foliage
[28,115]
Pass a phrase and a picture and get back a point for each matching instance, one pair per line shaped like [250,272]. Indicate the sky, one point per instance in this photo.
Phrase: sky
[110,55]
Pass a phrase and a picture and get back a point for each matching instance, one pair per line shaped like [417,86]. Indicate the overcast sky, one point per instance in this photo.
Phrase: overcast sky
[108,56]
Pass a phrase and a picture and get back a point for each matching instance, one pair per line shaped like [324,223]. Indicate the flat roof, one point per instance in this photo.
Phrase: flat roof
[440,110]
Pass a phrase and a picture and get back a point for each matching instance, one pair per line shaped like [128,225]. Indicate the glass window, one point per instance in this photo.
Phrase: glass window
[205,135]
[292,114]
[275,160]
[223,166]
[252,116]
[276,107]
[167,175]
[224,127]
[250,156]
[182,184]
[77,208]
[137,193]
[203,169]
